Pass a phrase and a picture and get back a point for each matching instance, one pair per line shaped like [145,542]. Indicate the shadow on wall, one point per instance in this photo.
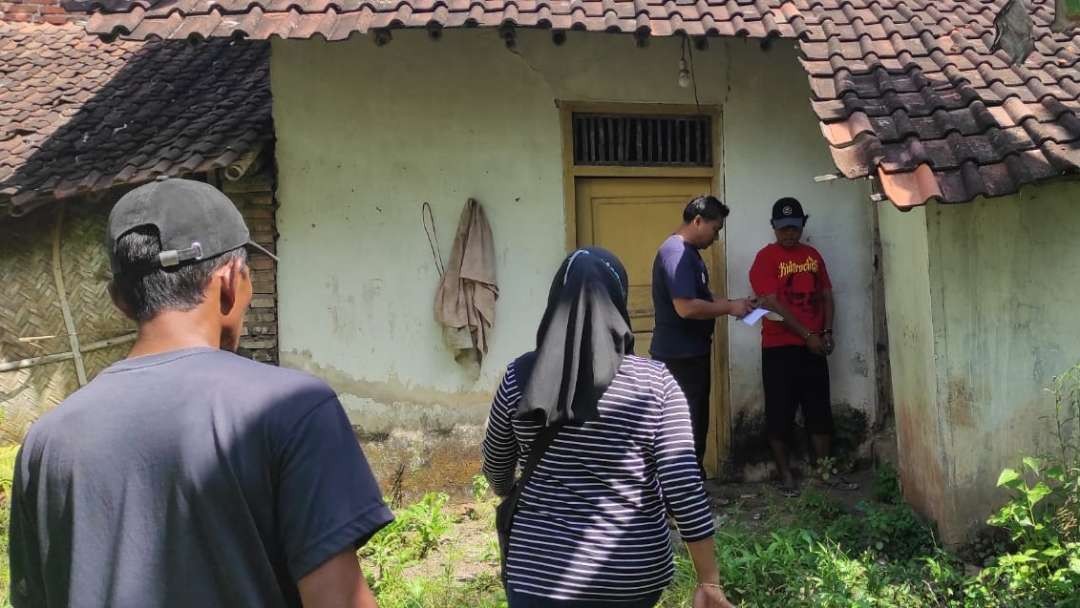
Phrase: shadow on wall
[173,108]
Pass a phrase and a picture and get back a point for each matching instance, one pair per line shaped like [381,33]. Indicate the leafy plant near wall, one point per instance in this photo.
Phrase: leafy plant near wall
[416,531]
[1067,426]
[1042,516]
[886,485]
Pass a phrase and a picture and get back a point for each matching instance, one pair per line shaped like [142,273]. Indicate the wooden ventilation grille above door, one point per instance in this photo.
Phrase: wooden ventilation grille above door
[642,141]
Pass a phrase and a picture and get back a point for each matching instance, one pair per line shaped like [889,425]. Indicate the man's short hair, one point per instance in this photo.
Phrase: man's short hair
[707,206]
[147,289]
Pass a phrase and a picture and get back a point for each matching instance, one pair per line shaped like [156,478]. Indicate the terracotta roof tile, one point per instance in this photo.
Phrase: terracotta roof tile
[951,111]
[907,91]
[337,19]
[78,114]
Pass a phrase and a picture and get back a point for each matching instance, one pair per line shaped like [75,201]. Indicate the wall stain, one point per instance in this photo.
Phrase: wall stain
[750,447]
[961,402]
[412,464]
[391,392]
[1048,359]
[859,367]
[406,445]
[921,472]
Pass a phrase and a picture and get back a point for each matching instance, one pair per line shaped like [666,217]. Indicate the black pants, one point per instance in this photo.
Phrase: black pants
[694,375]
[795,378]
[522,600]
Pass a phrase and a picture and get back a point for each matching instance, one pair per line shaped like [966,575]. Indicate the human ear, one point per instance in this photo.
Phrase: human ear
[229,277]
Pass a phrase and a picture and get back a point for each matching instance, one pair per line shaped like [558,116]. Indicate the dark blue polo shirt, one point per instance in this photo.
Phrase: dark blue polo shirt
[679,272]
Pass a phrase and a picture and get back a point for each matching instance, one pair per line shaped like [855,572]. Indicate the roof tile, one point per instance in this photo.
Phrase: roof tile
[145,19]
[907,91]
[954,112]
[93,114]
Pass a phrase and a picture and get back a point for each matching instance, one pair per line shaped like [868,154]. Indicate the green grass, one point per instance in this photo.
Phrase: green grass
[826,558]
[7,471]
[809,553]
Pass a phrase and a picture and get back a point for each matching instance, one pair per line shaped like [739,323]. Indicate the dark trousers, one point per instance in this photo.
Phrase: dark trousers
[694,375]
[524,600]
[795,378]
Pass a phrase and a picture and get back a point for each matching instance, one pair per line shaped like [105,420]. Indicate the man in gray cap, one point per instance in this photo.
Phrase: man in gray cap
[186,475]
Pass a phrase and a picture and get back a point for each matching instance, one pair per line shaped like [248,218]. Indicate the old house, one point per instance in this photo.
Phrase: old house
[979,307]
[82,121]
[589,121]
[536,125]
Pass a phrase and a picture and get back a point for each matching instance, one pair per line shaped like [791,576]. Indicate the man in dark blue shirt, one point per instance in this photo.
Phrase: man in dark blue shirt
[686,310]
[186,475]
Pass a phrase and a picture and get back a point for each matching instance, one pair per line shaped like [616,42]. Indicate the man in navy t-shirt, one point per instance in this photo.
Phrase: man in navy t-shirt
[686,309]
[186,475]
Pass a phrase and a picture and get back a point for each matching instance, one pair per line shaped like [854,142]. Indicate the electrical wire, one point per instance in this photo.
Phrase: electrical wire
[693,74]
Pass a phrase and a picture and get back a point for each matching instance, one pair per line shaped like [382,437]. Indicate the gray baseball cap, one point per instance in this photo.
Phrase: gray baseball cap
[194,220]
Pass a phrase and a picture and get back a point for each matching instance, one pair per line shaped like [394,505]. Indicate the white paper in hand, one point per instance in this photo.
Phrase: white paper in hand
[754,316]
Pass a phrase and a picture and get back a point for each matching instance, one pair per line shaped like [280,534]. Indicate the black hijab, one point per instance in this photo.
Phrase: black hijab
[582,339]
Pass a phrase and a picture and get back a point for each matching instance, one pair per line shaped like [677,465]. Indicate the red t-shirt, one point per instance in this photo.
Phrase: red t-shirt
[797,277]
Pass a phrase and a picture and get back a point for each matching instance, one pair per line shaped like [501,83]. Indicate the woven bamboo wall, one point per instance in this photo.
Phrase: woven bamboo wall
[86,281]
[30,303]
[29,307]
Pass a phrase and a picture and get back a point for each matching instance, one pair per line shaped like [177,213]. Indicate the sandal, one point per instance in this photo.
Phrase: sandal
[839,482]
[787,491]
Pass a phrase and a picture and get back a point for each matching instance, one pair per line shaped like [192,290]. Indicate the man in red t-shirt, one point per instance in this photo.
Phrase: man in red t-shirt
[791,279]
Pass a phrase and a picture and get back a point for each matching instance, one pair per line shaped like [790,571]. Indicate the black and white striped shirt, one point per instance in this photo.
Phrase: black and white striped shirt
[591,522]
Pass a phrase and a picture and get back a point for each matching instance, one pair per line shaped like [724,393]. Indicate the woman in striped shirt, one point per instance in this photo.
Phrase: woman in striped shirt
[590,529]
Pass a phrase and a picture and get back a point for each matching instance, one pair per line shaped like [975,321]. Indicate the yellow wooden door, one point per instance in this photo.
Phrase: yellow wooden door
[631,217]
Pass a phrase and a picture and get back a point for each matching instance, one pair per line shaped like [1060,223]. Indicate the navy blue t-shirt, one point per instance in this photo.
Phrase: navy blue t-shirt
[679,272]
[189,478]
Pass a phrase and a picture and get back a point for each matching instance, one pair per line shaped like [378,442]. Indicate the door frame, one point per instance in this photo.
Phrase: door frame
[718,449]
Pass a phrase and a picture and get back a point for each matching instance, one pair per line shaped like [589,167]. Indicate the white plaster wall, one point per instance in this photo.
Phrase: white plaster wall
[981,317]
[367,134]
[921,447]
[1005,295]
[774,148]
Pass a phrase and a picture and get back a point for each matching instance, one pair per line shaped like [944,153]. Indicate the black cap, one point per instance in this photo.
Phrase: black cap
[788,212]
[194,220]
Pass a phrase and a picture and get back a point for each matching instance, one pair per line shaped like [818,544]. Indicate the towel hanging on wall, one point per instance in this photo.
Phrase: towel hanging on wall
[465,300]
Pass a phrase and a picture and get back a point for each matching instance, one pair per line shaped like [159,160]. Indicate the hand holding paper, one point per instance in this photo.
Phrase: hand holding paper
[756,315]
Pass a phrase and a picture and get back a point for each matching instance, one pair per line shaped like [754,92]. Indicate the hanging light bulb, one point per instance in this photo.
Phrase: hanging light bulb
[684,74]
